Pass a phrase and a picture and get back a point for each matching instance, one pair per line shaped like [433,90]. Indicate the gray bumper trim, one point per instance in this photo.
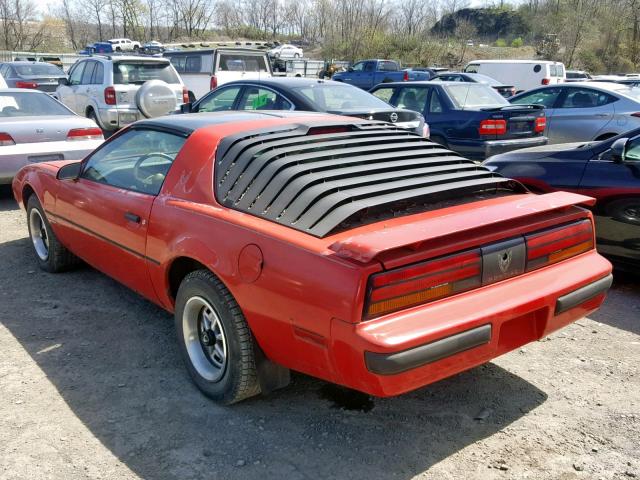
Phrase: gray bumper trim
[392,363]
[577,297]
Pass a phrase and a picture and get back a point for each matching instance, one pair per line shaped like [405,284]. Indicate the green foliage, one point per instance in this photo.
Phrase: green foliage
[517,42]
[501,43]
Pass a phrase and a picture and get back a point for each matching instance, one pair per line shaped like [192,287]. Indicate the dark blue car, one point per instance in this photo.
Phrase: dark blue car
[608,171]
[469,118]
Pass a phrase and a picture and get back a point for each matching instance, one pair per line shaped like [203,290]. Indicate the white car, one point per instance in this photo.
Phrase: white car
[286,51]
[115,91]
[522,74]
[124,45]
[36,128]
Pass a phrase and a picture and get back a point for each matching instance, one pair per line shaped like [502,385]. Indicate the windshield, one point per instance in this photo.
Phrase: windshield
[473,96]
[338,98]
[38,69]
[29,104]
[136,73]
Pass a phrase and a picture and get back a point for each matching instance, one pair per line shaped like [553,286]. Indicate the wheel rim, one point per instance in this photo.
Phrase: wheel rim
[204,339]
[39,236]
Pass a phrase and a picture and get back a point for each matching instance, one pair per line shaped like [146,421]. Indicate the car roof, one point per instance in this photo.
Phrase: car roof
[423,83]
[24,62]
[289,82]
[476,62]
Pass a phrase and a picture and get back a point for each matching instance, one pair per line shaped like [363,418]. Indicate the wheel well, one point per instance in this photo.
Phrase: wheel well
[604,136]
[89,109]
[180,268]
[27,191]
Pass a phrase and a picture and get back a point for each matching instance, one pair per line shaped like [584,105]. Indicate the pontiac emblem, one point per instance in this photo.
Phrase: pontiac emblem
[393,117]
[504,261]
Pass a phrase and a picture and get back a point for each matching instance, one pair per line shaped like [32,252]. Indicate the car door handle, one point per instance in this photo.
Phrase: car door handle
[132,217]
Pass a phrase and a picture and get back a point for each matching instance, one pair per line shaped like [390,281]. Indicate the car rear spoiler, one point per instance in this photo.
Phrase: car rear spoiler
[367,246]
[516,106]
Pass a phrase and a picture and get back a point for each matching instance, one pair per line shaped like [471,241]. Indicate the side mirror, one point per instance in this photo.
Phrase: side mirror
[617,150]
[70,171]
[350,69]
[187,108]
[63,81]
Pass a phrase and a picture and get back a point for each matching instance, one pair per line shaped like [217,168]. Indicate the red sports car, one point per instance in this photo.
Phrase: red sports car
[346,249]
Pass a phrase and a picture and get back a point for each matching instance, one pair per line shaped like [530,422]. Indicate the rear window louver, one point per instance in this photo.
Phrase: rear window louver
[320,183]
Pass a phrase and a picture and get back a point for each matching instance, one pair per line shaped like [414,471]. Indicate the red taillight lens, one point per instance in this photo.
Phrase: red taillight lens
[185,95]
[326,130]
[540,125]
[546,81]
[423,282]
[552,246]
[6,139]
[20,84]
[110,96]
[636,114]
[405,77]
[213,82]
[85,134]
[492,127]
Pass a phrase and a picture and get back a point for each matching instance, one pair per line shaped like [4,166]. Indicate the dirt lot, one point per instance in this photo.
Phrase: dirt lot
[91,386]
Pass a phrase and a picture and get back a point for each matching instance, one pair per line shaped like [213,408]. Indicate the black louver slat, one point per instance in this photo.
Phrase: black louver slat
[317,182]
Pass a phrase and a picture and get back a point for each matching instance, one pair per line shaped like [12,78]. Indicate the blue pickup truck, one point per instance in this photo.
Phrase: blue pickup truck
[368,73]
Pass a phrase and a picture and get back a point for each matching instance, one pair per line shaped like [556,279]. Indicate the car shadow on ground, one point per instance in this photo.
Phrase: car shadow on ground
[6,199]
[118,369]
[624,296]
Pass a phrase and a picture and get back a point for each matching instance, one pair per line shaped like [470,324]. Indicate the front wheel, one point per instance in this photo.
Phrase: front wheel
[215,339]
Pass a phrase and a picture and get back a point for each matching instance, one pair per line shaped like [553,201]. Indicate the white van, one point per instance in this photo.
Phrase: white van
[522,74]
[204,70]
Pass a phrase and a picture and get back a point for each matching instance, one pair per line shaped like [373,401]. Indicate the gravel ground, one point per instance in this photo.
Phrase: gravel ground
[91,386]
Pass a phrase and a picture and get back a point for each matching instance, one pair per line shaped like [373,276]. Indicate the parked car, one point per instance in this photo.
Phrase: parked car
[608,171]
[577,76]
[153,47]
[286,51]
[125,45]
[115,91]
[345,249]
[504,90]
[33,75]
[368,73]
[470,118]
[36,128]
[585,111]
[102,47]
[522,74]
[291,93]
[204,70]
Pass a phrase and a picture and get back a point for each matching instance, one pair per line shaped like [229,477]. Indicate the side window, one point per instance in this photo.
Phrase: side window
[546,97]
[387,66]
[76,74]
[3,70]
[553,71]
[98,74]
[412,98]
[537,68]
[193,64]
[585,98]
[219,100]
[88,73]
[632,152]
[358,67]
[472,68]
[369,66]
[435,104]
[138,160]
[178,62]
[262,99]
[384,94]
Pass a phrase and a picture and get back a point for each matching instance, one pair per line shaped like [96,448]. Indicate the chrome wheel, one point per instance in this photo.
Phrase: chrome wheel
[204,339]
[38,232]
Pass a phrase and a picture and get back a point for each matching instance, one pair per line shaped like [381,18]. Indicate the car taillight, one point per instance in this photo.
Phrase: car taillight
[636,114]
[213,82]
[432,280]
[492,127]
[185,95]
[540,124]
[20,84]
[552,246]
[110,96]
[426,132]
[6,139]
[424,282]
[92,133]
[405,77]
[327,130]
[546,81]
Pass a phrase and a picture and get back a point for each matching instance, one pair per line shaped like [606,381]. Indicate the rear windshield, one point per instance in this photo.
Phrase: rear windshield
[339,98]
[556,70]
[470,96]
[38,69]
[230,62]
[29,104]
[136,73]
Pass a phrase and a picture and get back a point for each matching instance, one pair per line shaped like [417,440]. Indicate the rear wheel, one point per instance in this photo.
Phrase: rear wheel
[51,255]
[215,339]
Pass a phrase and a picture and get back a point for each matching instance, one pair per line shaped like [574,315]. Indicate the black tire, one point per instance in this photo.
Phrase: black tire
[91,115]
[439,140]
[238,380]
[55,258]
[625,210]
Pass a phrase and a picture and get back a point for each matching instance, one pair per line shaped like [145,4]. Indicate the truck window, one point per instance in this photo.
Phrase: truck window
[387,66]
[358,67]
[230,62]
[369,67]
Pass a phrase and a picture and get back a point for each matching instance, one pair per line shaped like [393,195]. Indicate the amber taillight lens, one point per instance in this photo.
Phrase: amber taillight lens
[551,246]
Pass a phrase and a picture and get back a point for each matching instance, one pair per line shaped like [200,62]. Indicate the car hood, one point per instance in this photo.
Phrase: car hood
[534,153]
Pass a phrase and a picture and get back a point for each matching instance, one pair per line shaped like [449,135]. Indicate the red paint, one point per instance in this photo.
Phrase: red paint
[304,297]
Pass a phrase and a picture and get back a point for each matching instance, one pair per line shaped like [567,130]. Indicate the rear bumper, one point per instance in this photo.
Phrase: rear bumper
[479,150]
[14,157]
[115,118]
[404,351]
